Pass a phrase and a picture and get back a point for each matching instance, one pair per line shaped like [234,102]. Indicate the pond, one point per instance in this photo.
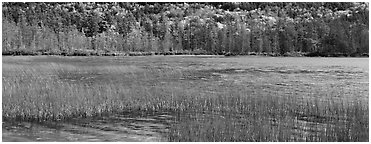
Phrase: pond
[194,98]
[123,127]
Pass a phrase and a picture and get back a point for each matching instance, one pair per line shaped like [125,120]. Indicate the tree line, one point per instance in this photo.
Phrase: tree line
[238,28]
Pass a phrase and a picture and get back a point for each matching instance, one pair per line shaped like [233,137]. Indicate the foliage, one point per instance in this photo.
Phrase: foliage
[242,27]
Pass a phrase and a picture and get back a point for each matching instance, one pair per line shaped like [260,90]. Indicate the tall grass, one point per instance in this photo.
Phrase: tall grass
[274,119]
[41,93]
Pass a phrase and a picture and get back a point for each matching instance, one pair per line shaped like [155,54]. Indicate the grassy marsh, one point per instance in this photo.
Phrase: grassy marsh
[211,98]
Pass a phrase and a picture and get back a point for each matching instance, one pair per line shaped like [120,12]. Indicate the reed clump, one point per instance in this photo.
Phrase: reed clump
[53,92]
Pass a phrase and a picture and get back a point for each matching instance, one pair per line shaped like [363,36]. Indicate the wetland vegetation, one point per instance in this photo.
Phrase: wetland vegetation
[203,98]
[184,98]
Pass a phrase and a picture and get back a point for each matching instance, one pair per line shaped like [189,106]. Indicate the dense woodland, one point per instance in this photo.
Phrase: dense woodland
[237,28]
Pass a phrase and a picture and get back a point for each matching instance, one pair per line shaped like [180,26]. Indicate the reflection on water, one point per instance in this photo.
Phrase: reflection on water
[124,127]
[157,127]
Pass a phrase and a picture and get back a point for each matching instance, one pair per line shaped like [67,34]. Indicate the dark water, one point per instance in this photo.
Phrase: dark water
[123,127]
[147,128]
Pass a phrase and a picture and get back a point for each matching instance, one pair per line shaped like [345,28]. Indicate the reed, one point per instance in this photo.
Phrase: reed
[60,91]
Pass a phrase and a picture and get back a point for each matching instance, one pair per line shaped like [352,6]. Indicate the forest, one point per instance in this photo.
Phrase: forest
[217,28]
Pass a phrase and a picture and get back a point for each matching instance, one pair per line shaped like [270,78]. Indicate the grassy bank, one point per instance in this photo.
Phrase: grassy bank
[208,101]
[199,52]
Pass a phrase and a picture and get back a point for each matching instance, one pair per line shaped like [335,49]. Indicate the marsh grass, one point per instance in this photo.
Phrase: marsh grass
[241,117]
[40,93]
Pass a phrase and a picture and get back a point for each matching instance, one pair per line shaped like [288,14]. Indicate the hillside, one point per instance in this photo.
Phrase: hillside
[230,28]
